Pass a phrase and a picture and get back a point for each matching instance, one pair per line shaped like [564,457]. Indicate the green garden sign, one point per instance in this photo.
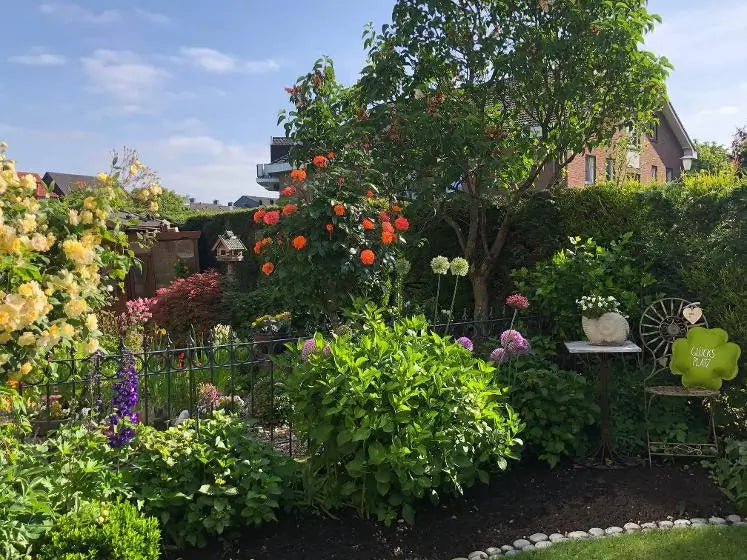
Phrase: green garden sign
[705,358]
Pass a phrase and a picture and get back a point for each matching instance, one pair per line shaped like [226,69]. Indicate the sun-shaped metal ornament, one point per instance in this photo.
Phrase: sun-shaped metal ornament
[665,321]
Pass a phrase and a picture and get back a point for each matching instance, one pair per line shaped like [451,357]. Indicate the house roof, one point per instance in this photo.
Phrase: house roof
[281,141]
[231,242]
[674,122]
[247,201]
[41,189]
[209,206]
[65,182]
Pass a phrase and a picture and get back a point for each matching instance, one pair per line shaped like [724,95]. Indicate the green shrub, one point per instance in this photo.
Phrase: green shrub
[207,480]
[102,531]
[730,473]
[585,268]
[394,414]
[555,405]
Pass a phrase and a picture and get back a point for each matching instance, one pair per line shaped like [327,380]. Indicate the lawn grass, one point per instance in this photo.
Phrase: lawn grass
[703,543]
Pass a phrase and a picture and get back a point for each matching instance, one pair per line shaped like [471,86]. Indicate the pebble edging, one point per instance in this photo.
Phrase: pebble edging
[538,541]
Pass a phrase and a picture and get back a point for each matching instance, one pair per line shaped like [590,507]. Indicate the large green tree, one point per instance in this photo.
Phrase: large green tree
[712,158]
[466,102]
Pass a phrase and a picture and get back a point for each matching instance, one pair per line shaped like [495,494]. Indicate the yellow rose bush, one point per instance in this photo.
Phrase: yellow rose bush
[53,255]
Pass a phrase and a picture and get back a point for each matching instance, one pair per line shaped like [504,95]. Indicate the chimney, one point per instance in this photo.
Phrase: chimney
[230,203]
[215,202]
[191,200]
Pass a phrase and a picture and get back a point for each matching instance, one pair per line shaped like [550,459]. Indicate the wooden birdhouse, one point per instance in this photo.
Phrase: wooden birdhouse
[229,248]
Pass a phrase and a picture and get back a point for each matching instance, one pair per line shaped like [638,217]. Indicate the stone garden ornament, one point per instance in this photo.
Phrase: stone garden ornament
[602,321]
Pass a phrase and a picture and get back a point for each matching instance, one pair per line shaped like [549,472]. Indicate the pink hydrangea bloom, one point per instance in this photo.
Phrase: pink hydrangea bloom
[517,301]
[466,342]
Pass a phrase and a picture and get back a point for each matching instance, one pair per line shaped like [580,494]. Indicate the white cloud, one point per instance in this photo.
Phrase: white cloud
[215,61]
[125,76]
[39,58]
[76,13]
[207,168]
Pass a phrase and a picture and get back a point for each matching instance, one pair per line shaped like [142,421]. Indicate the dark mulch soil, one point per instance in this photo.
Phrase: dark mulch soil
[528,499]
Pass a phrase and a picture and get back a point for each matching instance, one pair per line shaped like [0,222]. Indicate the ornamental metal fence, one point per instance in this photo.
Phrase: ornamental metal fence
[181,381]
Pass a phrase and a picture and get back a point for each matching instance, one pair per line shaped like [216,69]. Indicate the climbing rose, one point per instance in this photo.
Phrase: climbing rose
[258,247]
[402,223]
[367,257]
[259,215]
[288,191]
[384,217]
[272,217]
[339,210]
[319,161]
[367,224]
[517,301]
[387,237]
[289,209]
[387,226]
[299,242]
[267,268]
[298,175]
[466,342]
[396,208]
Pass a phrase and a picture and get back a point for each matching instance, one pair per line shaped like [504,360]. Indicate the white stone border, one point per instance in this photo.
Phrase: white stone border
[541,540]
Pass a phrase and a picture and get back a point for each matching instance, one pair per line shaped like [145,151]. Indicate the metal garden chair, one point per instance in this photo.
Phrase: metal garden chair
[661,324]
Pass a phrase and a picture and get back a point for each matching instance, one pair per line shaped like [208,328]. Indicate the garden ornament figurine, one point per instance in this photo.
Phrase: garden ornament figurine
[705,358]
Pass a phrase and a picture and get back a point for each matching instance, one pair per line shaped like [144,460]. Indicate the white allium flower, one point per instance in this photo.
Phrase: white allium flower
[459,267]
[440,265]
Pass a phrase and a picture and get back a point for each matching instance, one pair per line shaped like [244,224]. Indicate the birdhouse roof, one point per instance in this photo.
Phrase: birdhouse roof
[229,241]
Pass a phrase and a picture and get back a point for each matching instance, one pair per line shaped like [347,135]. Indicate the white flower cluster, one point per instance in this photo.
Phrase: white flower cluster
[594,305]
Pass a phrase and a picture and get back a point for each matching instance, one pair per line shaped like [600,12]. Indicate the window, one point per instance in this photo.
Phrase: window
[655,133]
[634,139]
[654,173]
[609,168]
[591,170]
[670,174]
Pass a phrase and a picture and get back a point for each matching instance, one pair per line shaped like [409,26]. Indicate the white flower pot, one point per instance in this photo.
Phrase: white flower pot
[608,330]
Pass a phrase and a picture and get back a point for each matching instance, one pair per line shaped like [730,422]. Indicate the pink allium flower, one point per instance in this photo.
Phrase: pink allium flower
[327,350]
[518,347]
[309,347]
[517,301]
[499,355]
[510,336]
[466,342]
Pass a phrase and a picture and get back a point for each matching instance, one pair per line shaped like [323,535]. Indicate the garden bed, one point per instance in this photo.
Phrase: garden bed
[531,498]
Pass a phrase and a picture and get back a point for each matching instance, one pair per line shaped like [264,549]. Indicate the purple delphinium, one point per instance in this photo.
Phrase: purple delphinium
[123,402]
[466,342]
[499,355]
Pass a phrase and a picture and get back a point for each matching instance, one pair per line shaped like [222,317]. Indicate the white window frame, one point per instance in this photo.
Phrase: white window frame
[590,169]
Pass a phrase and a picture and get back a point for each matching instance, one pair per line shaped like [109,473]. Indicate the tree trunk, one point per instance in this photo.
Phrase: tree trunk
[479,281]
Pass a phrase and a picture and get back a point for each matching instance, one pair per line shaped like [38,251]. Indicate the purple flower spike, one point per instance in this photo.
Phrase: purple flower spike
[499,356]
[466,342]
[123,404]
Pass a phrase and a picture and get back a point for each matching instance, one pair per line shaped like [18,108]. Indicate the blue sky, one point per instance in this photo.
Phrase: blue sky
[195,87]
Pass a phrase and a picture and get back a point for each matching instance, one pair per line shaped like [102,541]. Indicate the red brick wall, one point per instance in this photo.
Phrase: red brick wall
[664,152]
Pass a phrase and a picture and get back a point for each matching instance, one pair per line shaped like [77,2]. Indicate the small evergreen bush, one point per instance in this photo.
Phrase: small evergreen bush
[102,531]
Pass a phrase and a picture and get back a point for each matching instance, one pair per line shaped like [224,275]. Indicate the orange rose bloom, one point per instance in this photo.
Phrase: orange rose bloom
[384,217]
[258,247]
[340,180]
[367,224]
[259,214]
[369,194]
[367,257]
[288,209]
[299,242]
[267,268]
[387,237]
[272,217]
[288,191]
[339,210]
[331,155]
[401,223]
[266,241]
[396,208]
[330,227]
[319,161]
[298,175]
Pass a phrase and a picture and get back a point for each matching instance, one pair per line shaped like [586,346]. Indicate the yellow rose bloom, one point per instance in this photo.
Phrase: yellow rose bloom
[27,224]
[74,217]
[86,217]
[153,206]
[91,346]
[77,252]
[39,242]
[27,339]
[89,202]
[103,177]
[75,308]
[92,323]
[67,330]
[25,369]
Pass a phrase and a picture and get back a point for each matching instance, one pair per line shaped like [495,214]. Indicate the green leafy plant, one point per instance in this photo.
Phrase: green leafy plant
[555,405]
[730,473]
[585,267]
[102,531]
[395,414]
[204,482]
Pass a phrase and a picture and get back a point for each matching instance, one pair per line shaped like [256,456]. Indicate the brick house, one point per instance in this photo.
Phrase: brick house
[661,156]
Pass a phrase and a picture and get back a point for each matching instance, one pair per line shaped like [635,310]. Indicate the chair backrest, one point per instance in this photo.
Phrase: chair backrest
[661,324]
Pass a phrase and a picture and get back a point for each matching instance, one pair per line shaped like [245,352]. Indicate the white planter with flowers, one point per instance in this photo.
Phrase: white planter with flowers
[602,321]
